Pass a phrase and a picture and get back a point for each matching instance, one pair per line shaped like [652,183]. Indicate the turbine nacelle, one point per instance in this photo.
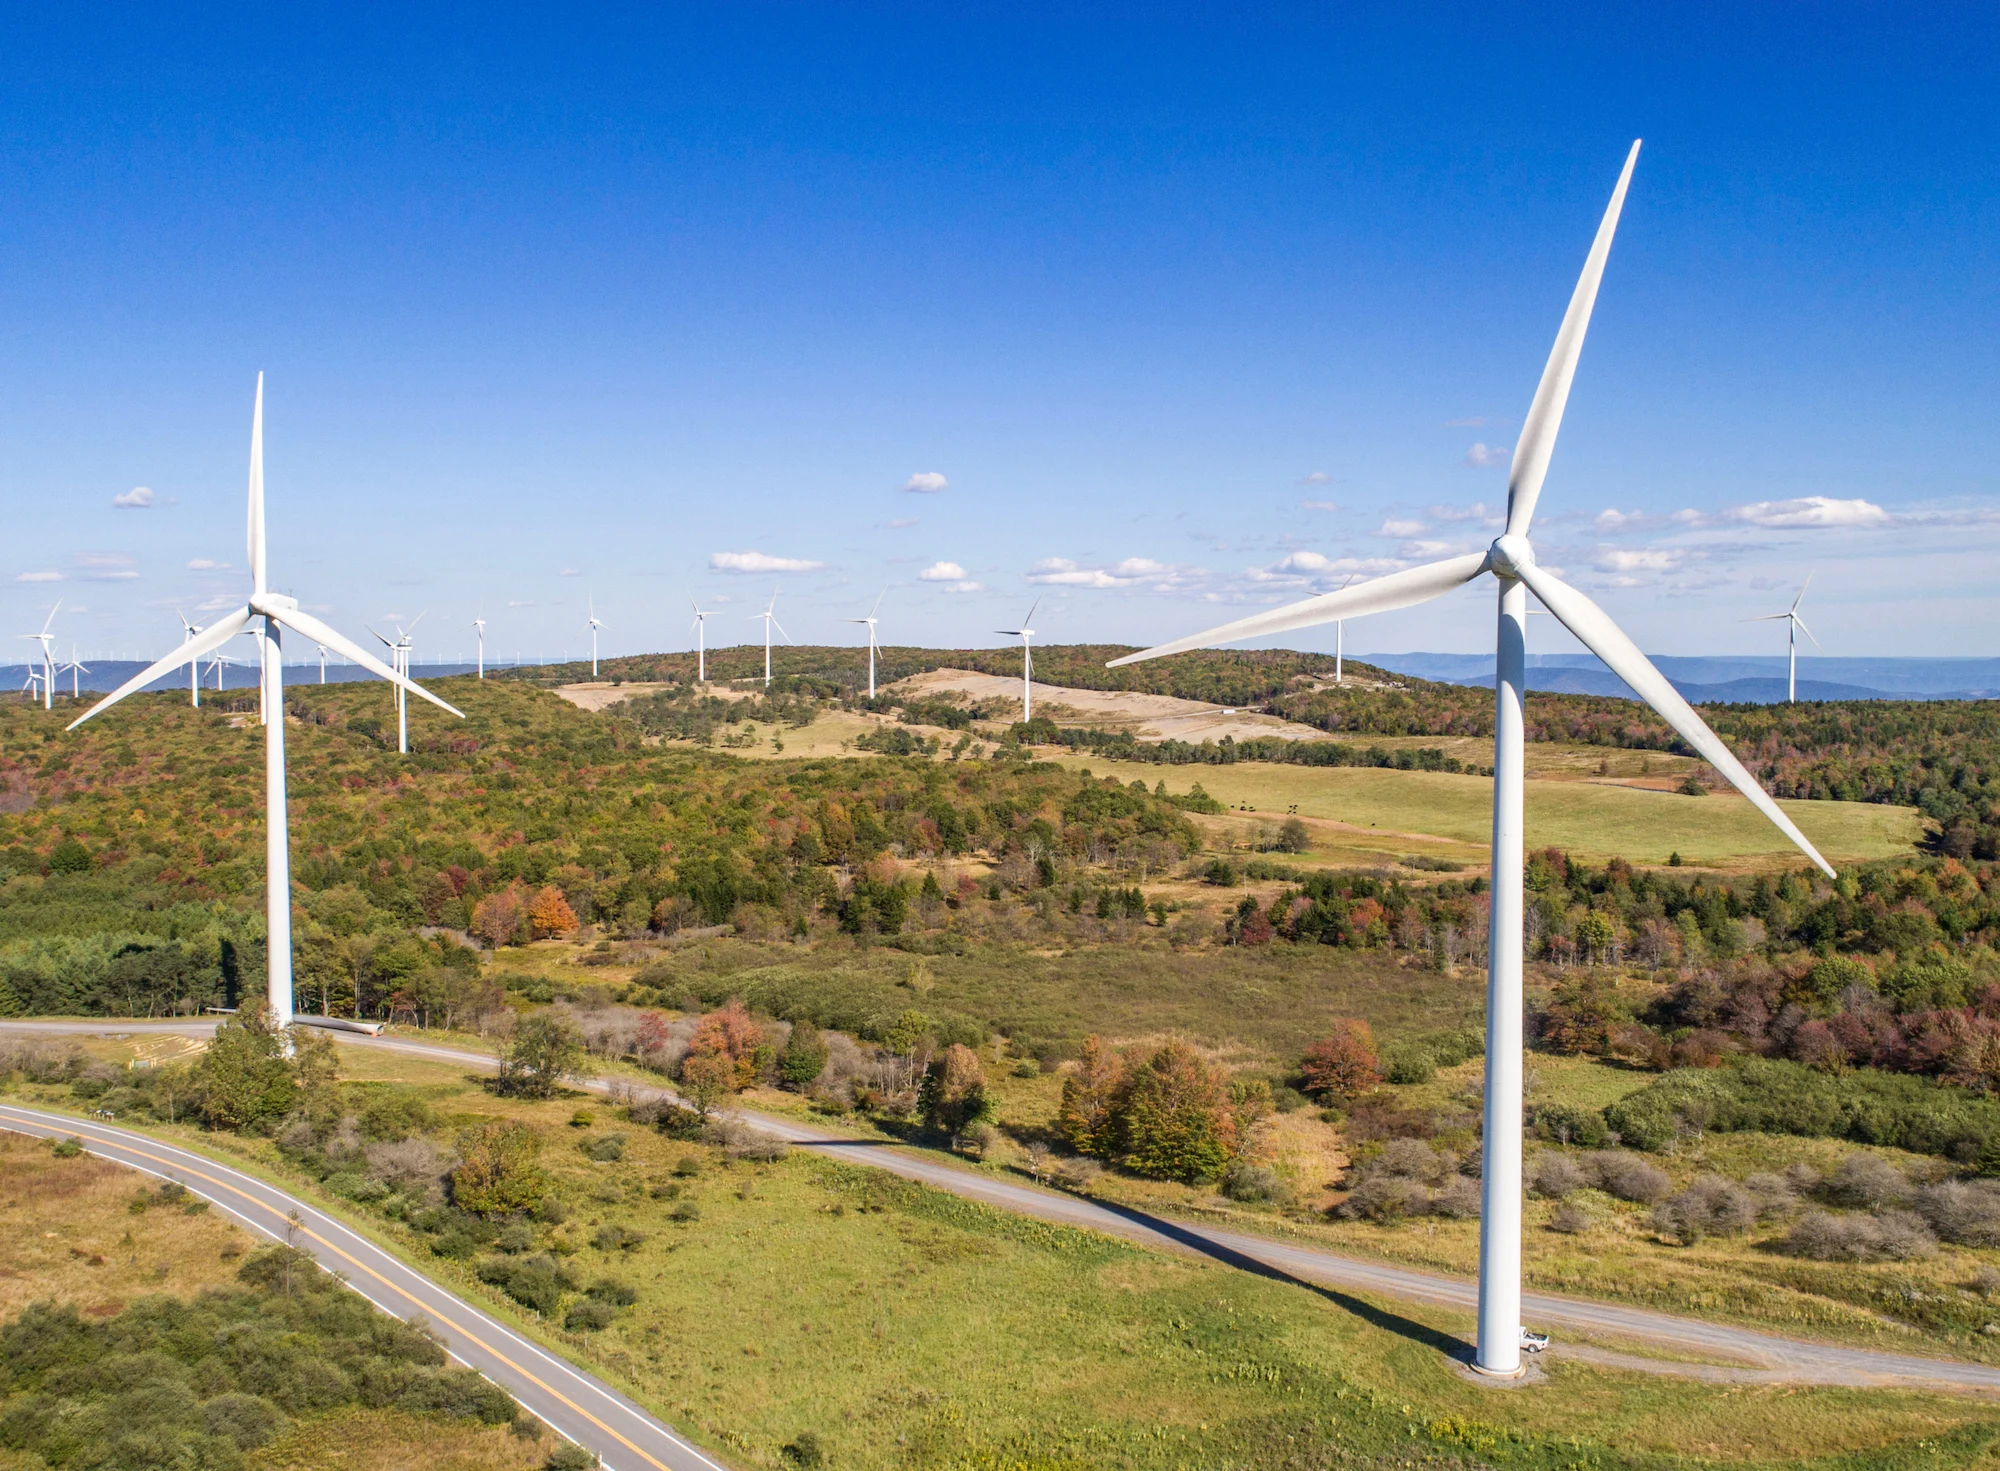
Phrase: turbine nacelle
[1509,555]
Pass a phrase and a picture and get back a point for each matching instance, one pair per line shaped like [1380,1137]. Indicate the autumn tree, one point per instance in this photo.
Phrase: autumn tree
[496,1173]
[1175,1118]
[706,1078]
[550,916]
[1343,1066]
[497,919]
[244,1080]
[1583,1016]
[545,1049]
[1084,1117]
[953,1096]
[732,1033]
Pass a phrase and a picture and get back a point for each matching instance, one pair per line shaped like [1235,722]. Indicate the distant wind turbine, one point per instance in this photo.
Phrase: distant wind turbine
[478,626]
[276,610]
[322,662]
[870,621]
[189,630]
[48,642]
[1794,626]
[399,658]
[75,667]
[770,617]
[1024,633]
[595,624]
[701,617]
[1511,561]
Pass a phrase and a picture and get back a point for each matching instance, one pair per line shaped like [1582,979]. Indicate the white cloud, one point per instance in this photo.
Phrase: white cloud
[106,567]
[203,564]
[521,602]
[1487,457]
[1415,549]
[1613,522]
[1318,506]
[1132,572]
[1318,477]
[925,482]
[1810,511]
[138,498]
[38,577]
[569,572]
[1402,528]
[1652,559]
[942,572]
[760,562]
[1477,511]
[1304,562]
[902,525]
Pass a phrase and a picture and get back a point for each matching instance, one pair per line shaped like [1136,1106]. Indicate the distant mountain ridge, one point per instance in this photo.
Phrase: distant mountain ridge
[1727,679]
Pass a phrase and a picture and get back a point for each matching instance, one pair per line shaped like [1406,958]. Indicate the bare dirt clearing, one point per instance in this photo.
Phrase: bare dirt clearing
[1149,717]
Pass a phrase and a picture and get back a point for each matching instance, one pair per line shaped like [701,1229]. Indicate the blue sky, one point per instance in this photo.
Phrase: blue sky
[1159,316]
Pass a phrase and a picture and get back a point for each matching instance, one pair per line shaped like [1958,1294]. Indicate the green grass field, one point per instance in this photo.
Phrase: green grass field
[1585,818]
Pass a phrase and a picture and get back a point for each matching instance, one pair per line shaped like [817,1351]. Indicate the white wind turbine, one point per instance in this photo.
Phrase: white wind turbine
[701,617]
[188,631]
[770,617]
[595,624]
[1024,633]
[870,621]
[399,657]
[75,667]
[48,642]
[1511,561]
[478,627]
[1794,626]
[1340,635]
[276,610]
[216,666]
[322,662]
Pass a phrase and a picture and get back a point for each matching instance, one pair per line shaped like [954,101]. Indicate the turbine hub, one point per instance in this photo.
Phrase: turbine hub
[268,603]
[1510,553]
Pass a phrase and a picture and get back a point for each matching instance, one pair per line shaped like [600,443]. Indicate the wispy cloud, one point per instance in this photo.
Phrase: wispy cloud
[1487,457]
[106,567]
[42,576]
[1614,522]
[1810,511]
[1318,506]
[1131,572]
[520,602]
[1318,477]
[903,525]
[1477,511]
[1402,528]
[760,562]
[1636,559]
[942,572]
[204,564]
[925,482]
[569,572]
[138,498]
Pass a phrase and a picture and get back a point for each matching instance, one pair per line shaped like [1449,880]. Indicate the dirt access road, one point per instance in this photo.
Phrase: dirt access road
[1753,1356]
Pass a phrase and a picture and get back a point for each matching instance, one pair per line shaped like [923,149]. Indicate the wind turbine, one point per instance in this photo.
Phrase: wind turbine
[262,714]
[770,617]
[33,684]
[1025,633]
[478,627]
[1511,561]
[701,617]
[1794,625]
[276,610]
[1340,634]
[215,668]
[75,667]
[595,624]
[48,642]
[870,621]
[189,630]
[399,657]
[322,662]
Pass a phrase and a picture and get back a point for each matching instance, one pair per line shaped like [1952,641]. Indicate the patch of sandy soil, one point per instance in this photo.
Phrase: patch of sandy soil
[1149,717]
[599,695]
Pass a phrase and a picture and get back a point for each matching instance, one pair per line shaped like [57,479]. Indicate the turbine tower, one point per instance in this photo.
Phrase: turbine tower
[75,667]
[1024,633]
[770,617]
[478,627]
[1340,634]
[322,662]
[188,631]
[1511,561]
[595,624]
[276,611]
[48,642]
[701,617]
[870,621]
[399,660]
[1794,626]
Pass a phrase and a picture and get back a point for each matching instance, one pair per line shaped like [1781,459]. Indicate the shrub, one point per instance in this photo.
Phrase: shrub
[614,1237]
[1255,1183]
[1557,1175]
[1569,1123]
[497,1173]
[618,1294]
[545,1049]
[1711,1206]
[68,1148]
[1628,1177]
[588,1315]
[1966,1214]
[953,1095]
[536,1282]
[1343,1065]
[1412,1158]
[1774,1194]
[1459,1199]
[803,1057]
[805,1450]
[1386,1199]
[570,1457]
[413,1167]
[1892,1236]
[1570,1220]
[1864,1181]
[605,1148]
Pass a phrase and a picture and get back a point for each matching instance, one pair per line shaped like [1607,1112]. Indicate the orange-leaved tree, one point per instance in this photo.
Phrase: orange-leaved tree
[1343,1066]
[731,1033]
[1084,1118]
[551,915]
[497,919]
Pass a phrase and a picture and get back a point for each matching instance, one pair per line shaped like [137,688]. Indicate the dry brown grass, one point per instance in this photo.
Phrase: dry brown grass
[386,1440]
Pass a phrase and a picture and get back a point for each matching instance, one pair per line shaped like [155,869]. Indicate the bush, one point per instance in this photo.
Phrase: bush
[605,1148]
[1965,1214]
[1407,1066]
[804,1449]
[1568,1123]
[1458,1200]
[588,1315]
[1255,1183]
[1386,1199]
[1711,1206]
[1865,1182]
[1570,1220]
[1628,1177]
[613,1237]
[246,1420]
[570,1457]
[1343,1065]
[68,1148]
[1892,1236]
[1557,1175]
[618,1294]
[1775,1194]
[536,1282]
[497,1173]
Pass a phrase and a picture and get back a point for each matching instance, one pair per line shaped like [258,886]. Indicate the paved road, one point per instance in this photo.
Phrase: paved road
[575,1403]
[1755,1356]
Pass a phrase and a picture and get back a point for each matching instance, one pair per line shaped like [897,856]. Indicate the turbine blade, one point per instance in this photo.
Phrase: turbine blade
[51,618]
[1031,613]
[1538,434]
[1594,628]
[1807,631]
[1768,618]
[1802,592]
[257,490]
[1381,595]
[321,633]
[214,637]
[878,602]
[781,629]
